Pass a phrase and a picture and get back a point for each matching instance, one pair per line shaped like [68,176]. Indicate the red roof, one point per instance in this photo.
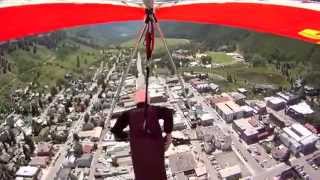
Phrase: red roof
[87,148]
[311,128]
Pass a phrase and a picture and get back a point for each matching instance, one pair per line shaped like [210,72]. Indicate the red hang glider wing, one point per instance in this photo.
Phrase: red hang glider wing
[292,19]
[20,20]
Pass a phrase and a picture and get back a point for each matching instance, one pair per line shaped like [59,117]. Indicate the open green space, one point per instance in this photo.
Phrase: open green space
[221,58]
[242,75]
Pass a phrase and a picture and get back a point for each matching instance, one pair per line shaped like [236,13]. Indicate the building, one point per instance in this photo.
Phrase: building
[157,96]
[44,149]
[239,98]
[298,139]
[215,88]
[94,134]
[182,163]
[289,97]
[200,85]
[280,153]
[250,129]
[41,161]
[275,103]
[84,161]
[230,173]
[247,111]
[242,90]
[206,119]
[29,172]
[201,172]
[260,107]
[299,111]
[229,111]
[218,99]
[311,91]
[265,88]
[178,122]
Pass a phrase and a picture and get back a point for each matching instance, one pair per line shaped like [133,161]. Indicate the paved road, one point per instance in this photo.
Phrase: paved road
[212,173]
[276,170]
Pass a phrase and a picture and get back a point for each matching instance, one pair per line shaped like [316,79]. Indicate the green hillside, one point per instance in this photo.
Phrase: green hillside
[42,65]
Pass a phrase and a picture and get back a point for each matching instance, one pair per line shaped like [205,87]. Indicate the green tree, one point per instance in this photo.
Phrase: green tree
[78,62]
[53,91]
[229,78]
[258,60]
[206,60]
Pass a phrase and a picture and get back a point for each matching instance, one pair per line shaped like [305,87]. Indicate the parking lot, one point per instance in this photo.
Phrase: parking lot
[260,155]
[227,159]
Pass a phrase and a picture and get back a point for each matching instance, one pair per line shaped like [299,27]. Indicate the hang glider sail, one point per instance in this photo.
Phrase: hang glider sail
[288,18]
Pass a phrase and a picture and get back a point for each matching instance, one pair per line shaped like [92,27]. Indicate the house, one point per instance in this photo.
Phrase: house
[298,138]
[229,110]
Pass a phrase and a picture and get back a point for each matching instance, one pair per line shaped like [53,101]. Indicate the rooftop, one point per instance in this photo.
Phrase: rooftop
[299,133]
[302,108]
[181,162]
[230,171]
[228,107]
[27,171]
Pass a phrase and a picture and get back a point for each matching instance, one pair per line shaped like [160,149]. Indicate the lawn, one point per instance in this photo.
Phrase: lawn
[221,58]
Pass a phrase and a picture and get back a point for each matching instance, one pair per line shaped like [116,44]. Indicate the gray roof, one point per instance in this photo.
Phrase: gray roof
[181,162]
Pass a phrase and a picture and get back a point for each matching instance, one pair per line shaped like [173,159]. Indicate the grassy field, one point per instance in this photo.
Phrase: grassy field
[172,42]
[243,75]
[221,58]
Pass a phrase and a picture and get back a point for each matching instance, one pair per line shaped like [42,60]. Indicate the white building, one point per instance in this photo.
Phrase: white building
[29,172]
[298,138]
[299,111]
[178,122]
[232,172]
[206,119]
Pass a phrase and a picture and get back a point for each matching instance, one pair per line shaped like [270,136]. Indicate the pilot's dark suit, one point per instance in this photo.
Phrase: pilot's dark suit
[147,148]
